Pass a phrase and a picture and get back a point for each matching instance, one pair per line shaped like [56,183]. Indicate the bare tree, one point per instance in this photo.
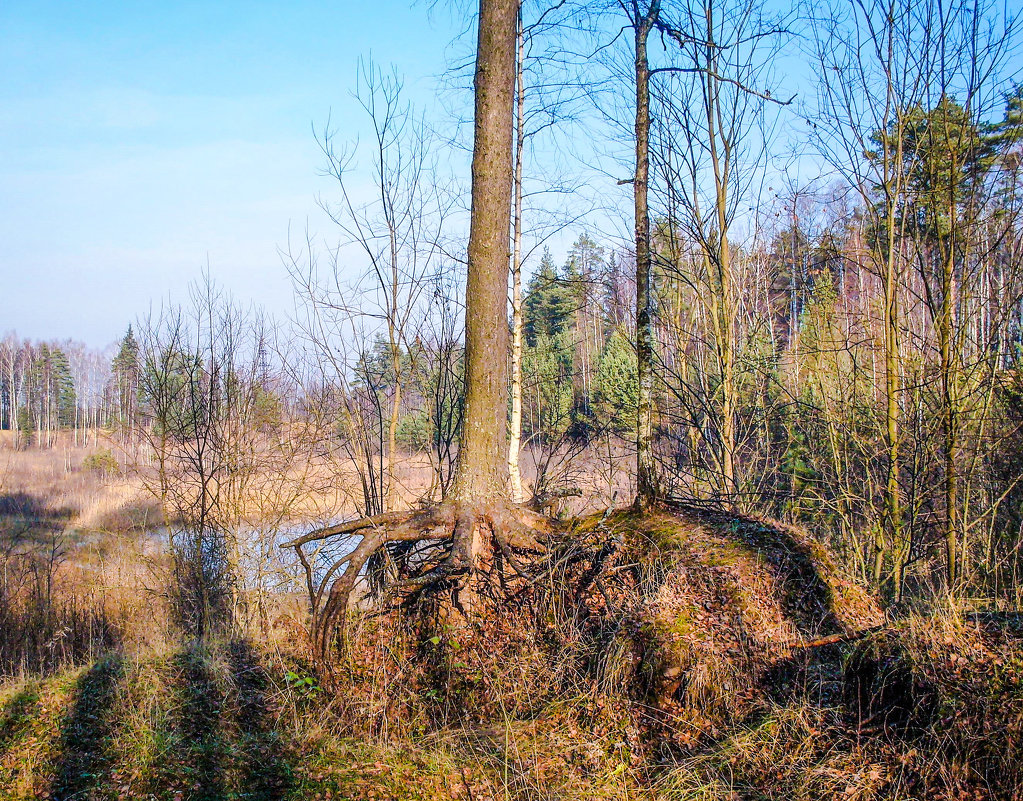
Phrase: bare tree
[537,112]
[398,233]
[476,529]
[948,212]
[212,419]
[872,60]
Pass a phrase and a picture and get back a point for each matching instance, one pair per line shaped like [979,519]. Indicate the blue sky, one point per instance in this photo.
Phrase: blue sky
[139,140]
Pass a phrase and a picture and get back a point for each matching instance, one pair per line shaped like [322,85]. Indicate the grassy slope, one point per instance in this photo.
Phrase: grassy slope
[931,708]
[214,724]
[195,724]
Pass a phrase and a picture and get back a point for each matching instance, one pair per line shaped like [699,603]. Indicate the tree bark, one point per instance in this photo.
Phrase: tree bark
[481,474]
[644,301]
[515,434]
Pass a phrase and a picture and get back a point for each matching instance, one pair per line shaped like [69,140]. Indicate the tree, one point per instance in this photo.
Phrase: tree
[515,421]
[125,369]
[616,391]
[12,376]
[63,389]
[947,159]
[583,271]
[872,66]
[476,520]
[642,19]
[905,88]
[398,234]
[529,123]
[547,389]
[547,304]
[713,125]
[216,459]
[481,474]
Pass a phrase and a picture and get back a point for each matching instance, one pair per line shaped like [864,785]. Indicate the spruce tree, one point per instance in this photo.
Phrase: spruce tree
[548,304]
[125,369]
[616,391]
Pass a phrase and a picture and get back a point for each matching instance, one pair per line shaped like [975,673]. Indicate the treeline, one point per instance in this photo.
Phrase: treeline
[46,387]
[850,362]
[840,352]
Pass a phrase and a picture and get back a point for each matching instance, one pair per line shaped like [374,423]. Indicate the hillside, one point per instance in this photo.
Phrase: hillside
[740,665]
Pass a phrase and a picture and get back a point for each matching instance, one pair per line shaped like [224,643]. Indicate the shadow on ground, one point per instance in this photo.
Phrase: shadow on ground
[84,757]
[201,751]
[265,775]
[16,715]
[226,744]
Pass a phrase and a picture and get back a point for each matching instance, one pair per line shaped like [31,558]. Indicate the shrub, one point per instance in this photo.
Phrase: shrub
[102,461]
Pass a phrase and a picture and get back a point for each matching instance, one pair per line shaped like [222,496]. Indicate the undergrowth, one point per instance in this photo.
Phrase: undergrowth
[718,667]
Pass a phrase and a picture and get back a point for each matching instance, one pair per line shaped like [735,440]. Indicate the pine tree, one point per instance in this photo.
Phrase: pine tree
[62,389]
[125,368]
[548,304]
[616,389]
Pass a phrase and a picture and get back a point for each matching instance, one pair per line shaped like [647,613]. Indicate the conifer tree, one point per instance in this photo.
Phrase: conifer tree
[616,390]
[125,368]
[548,303]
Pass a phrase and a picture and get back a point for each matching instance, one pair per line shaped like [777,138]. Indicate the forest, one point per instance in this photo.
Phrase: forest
[673,449]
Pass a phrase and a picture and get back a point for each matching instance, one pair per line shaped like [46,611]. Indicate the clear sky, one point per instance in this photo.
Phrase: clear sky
[140,139]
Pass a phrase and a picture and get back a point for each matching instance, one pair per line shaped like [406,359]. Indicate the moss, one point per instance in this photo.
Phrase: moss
[664,537]
[725,554]
[679,625]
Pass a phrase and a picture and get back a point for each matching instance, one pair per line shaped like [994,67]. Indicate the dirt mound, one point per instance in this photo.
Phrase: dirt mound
[723,608]
[686,618]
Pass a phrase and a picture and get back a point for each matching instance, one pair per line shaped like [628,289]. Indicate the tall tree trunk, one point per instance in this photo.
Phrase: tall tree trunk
[481,474]
[892,520]
[949,426]
[644,300]
[515,432]
[722,262]
[949,367]
[389,500]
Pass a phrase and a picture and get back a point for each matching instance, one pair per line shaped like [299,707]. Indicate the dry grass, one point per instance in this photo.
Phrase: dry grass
[66,484]
[57,485]
[81,570]
[229,721]
[678,674]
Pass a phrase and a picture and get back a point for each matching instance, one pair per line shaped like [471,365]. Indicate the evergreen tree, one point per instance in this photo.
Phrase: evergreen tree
[946,156]
[62,389]
[548,303]
[616,390]
[172,393]
[547,388]
[1006,134]
[125,368]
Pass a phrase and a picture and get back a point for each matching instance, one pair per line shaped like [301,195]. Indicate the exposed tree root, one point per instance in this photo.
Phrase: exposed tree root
[421,552]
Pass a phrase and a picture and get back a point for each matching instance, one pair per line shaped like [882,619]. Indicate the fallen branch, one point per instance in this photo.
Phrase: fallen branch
[834,639]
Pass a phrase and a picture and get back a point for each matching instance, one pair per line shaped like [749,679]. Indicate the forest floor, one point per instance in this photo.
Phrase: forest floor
[722,658]
[228,722]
